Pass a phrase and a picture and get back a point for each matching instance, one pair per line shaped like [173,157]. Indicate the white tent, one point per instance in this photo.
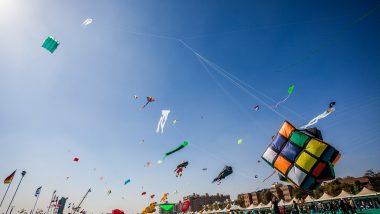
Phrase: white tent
[261,205]
[309,199]
[366,192]
[343,194]
[324,197]
[250,207]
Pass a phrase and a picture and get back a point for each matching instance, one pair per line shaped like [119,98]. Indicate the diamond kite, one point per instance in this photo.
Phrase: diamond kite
[50,44]
[290,91]
[301,156]
[227,170]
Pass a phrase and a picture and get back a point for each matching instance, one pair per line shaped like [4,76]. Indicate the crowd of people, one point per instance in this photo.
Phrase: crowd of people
[341,206]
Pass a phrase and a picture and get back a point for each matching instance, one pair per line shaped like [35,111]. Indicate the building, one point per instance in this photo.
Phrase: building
[287,192]
[255,198]
[245,199]
[197,201]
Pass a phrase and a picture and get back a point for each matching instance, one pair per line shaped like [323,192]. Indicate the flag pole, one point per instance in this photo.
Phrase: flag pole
[9,185]
[35,203]
[22,176]
[5,193]
[89,190]
[52,197]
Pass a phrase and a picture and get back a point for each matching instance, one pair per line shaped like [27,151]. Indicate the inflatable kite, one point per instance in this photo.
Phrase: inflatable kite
[87,22]
[167,207]
[50,44]
[179,169]
[149,209]
[301,156]
[162,121]
[326,113]
[143,193]
[152,196]
[185,205]
[290,91]
[183,145]
[227,170]
[148,100]
[164,197]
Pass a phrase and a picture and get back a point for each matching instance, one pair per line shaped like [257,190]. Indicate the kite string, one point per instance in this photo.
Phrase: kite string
[232,81]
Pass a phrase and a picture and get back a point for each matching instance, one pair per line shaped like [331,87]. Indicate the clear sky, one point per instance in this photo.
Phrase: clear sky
[78,102]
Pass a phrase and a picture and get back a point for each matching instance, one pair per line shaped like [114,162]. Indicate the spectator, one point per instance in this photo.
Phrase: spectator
[295,209]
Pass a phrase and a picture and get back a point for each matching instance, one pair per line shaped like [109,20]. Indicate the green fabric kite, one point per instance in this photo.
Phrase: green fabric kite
[50,44]
[183,145]
[167,207]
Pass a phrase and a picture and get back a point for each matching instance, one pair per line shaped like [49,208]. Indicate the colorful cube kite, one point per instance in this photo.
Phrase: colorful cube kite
[50,44]
[301,156]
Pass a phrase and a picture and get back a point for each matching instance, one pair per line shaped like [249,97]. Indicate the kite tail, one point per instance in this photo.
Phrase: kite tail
[274,172]
[282,101]
[145,105]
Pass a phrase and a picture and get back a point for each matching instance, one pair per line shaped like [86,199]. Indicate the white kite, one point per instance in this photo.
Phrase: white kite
[321,116]
[161,123]
[87,22]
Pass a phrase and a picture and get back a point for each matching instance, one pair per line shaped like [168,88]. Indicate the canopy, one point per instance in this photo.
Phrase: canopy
[366,192]
[324,197]
[343,194]
[309,199]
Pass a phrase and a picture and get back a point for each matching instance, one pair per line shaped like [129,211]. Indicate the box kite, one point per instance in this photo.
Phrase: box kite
[301,156]
[50,44]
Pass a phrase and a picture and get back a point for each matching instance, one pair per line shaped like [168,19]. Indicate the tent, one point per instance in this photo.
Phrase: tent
[309,199]
[324,197]
[281,203]
[366,192]
[268,205]
[343,194]
[250,207]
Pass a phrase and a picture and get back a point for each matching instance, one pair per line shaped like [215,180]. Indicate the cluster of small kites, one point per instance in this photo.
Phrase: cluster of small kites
[298,155]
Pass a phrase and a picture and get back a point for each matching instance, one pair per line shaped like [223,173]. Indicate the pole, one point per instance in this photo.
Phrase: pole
[22,176]
[52,197]
[5,193]
[35,203]
[75,210]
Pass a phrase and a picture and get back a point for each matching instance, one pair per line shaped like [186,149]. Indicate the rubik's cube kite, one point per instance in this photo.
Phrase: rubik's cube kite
[301,156]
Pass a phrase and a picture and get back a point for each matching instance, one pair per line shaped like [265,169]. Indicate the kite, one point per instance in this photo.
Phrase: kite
[149,209]
[227,170]
[183,145]
[174,122]
[117,211]
[256,108]
[290,91]
[143,193]
[136,97]
[167,207]
[258,161]
[76,159]
[326,113]
[152,196]
[162,121]
[240,141]
[159,162]
[101,177]
[179,169]
[256,176]
[301,156]
[175,192]
[141,141]
[148,100]
[109,192]
[164,197]
[87,22]
[127,181]
[50,44]
[185,205]
[148,164]
[204,169]
[67,178]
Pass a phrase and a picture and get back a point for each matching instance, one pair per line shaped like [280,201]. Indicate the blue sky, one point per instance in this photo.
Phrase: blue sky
[78,102]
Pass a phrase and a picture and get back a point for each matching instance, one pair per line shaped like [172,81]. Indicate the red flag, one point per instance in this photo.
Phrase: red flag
[9,179]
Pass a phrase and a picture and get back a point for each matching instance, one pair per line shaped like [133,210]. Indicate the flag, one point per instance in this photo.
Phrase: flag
[38,190]
[9,179]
